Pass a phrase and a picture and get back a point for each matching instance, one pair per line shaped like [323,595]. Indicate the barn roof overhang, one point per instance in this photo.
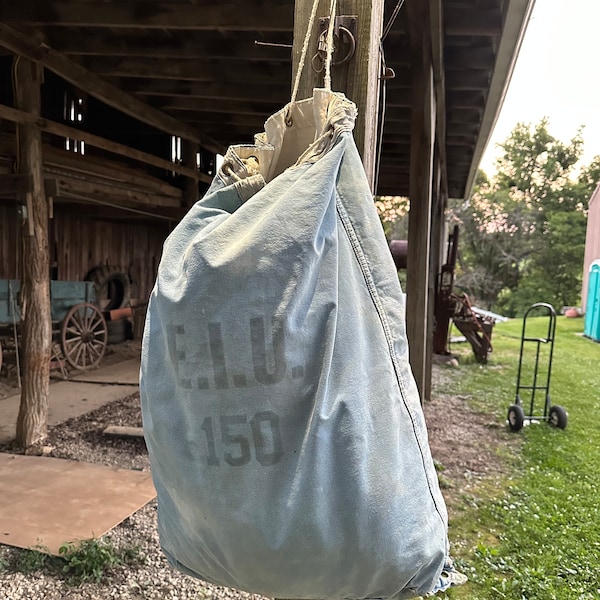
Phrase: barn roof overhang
[213,72]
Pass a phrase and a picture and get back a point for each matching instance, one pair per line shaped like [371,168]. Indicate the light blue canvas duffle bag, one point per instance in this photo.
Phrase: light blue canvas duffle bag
[287,441]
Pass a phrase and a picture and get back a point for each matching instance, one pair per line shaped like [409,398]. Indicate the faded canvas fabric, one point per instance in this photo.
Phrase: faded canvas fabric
[286,438]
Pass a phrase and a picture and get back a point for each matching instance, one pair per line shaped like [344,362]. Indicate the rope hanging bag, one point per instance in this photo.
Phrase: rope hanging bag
[285,433]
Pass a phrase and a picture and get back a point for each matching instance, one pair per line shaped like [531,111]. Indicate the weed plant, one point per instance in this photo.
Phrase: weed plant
[89,560]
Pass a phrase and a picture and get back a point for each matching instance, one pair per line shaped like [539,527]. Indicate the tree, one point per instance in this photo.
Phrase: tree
[524,230]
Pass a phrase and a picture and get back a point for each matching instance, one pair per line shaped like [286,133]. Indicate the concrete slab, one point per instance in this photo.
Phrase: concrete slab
[126,372]
[73,398]
[49,501]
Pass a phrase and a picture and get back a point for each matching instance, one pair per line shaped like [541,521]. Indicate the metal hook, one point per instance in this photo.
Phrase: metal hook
[318,60]
[351,50]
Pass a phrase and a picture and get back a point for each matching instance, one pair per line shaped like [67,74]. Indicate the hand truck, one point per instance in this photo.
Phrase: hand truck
[555,415]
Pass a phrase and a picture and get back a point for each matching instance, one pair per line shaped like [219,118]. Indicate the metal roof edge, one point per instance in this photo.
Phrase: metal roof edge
[516,21]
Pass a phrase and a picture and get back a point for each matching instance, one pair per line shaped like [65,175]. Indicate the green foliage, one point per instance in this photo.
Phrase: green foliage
[87,561]
[392,211]
[536,533]
[523,231]
[32,560]
[92,558]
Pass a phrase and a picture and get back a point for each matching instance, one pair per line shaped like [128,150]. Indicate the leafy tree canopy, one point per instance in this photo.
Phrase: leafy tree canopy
[523,230]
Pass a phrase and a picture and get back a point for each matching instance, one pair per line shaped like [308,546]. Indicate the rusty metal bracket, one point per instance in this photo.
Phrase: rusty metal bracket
[344,34]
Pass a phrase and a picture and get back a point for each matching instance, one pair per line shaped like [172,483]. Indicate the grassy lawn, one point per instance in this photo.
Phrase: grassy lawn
[535,532]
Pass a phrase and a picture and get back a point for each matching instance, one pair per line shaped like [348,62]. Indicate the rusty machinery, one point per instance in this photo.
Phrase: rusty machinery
[450,306]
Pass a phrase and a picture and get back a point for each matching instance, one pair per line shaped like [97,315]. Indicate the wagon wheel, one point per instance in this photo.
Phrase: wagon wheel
[83,336]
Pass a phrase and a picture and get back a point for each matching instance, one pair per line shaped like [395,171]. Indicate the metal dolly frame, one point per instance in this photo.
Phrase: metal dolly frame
[555,415]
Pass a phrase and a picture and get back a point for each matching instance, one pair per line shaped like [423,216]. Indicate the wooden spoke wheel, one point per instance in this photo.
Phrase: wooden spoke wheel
[83,336]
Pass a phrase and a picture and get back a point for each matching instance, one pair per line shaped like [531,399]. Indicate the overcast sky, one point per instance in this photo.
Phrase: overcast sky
[557,75]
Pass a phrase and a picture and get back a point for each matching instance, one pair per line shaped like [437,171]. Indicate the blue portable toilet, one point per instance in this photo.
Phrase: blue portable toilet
[592,307]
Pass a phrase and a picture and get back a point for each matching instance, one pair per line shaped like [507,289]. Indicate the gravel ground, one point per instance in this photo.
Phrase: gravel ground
[467,453]
[148,578]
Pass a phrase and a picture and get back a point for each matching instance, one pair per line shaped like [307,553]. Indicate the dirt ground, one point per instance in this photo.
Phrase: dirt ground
[9,384]
[469,449]
[464,443]
[467,446]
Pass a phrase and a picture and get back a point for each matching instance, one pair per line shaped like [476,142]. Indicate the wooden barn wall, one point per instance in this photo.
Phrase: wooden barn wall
[9,241]
[79,244]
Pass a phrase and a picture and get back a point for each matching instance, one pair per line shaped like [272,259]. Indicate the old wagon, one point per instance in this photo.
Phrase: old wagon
[79,329]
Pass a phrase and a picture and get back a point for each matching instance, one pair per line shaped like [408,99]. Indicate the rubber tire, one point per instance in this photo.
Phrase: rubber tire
[557,416]
[110,284]
[515,418]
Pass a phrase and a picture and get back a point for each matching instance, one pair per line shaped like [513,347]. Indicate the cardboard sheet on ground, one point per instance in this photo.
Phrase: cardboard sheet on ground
[49,501]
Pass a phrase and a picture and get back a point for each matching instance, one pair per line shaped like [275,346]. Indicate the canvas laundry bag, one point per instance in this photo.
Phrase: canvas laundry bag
[285,433]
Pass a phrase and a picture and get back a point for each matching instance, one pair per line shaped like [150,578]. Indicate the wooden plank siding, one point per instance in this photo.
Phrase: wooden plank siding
[82,244]
[135,248]
[9,240]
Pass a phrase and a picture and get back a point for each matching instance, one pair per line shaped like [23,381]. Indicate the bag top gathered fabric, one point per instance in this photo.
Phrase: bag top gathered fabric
[286,437]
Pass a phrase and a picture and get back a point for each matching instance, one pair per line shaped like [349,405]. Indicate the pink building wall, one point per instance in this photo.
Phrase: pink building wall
[592,242]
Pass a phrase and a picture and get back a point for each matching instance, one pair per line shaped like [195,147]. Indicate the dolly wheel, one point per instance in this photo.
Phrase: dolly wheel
[516,417]
[557,417]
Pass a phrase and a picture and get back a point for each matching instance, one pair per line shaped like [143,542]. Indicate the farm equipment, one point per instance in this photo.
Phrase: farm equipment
[476,328]
[555,415]
[79,330]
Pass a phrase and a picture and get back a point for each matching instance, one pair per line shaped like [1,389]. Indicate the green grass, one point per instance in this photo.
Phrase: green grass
[534,534]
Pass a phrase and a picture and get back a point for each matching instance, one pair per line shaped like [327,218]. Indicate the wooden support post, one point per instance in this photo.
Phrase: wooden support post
[190,193]
[436,260]
[418,299]
[36,316]
[359,80]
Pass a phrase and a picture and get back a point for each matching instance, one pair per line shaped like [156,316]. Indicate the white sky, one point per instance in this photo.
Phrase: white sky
[557,75]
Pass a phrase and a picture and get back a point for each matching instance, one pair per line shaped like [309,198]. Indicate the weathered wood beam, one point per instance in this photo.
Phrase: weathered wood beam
[359,79]
[110,94]
[421,194]
[184,47]
[397,113]
[224,16]
[467,80]
[188,70]
[239,106]
[190,192]
[440,177]
[58,161]
[465,115]
[190,91]
[91,210]
[469,21]
[17,116]
[463,129]
[78,188]
[398,98]
[465,99]
[13,184]
[63,161]
[479,57]
[36,314]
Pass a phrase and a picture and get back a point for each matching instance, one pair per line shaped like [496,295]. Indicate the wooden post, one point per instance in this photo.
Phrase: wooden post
[436,259]
[190,193]
[36,325]
[418,299]
[359,80]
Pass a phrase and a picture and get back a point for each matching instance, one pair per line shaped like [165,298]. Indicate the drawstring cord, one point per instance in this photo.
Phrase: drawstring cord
[327,79]
[328,60]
